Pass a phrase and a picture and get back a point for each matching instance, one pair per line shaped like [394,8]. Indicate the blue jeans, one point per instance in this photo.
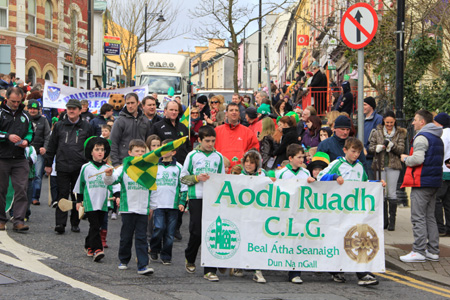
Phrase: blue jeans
[37,181]
[165,220]
[133,224]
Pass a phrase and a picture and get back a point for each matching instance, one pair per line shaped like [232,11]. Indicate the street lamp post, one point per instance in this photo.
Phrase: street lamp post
[160,19]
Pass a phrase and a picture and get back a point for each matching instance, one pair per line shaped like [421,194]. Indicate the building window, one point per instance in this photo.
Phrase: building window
[49,76]
[73,29]
[4,13]
[32,16]
[32,76]
[48,19]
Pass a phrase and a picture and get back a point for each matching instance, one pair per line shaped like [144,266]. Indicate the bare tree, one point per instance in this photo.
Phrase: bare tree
[227,19]
[127,21]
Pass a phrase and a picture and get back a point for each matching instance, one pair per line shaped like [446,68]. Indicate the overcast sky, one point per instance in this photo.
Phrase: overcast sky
[187,42]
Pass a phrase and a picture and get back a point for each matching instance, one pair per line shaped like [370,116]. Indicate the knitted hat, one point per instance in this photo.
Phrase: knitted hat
[264,109]
[202,99]
[371,101]
[292,113]
[309,73]
[251,113]
[443,119]
[328,130]
[342,122]
[32,103]
[91,142]
[319,160]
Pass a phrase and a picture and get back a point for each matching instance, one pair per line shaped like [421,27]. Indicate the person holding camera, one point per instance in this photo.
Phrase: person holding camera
[386,144]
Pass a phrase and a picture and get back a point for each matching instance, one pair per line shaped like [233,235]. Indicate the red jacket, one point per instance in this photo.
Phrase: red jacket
[256,127]
[233,141]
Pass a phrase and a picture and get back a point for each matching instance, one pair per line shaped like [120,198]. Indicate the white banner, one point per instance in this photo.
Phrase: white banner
[57,95]
[253,223]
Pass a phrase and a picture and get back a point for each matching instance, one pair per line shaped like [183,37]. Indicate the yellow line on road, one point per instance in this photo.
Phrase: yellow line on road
[417,284]
[413,280]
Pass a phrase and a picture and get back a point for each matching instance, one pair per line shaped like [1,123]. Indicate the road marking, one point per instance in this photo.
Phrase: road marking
[28,259]
[409,281]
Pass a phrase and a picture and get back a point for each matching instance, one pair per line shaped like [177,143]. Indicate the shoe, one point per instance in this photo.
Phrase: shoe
[236,272]
[36,202]
[258,277]
[190,268]
[222,270]
[442,234]
[89,252]
[211,277]
[154,256]
[412,257]
[297,280]
[20,228]
[60,229]
[166,261]
[431,256]
[122,266]
[75,229]
[145,271]
[177,235]
[2,226]
[113,216]
[338,278]
[98,255]
[368,280]
[54,204]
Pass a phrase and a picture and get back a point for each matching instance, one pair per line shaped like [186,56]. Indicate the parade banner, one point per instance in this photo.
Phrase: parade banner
[57,95]
[253,223]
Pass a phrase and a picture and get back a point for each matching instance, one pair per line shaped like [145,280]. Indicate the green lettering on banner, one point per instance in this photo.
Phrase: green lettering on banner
[241,197]
[269,194]
[355,201]
[226,192]
[335,203]
[266,226]
[287,198]
[289,231]
[363,201]
[308,231]
[305,194]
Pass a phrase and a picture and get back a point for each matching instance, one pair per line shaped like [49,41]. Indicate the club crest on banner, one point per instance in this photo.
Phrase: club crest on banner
[222,238]
[361,243]
[53,93]
[140,92]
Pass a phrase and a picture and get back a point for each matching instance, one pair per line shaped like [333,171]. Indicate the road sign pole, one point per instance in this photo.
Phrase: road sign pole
[361,94]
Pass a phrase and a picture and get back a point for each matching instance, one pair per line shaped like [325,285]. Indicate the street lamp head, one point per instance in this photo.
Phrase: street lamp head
[161,17]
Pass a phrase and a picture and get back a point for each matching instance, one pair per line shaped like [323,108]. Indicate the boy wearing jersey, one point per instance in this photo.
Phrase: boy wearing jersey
[134,206]
[204,159]
[169,197]
[294,169]
[93,193]
[349,168]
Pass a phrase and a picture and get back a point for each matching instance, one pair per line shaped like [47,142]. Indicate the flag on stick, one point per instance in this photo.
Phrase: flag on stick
[185,118]
[143,169]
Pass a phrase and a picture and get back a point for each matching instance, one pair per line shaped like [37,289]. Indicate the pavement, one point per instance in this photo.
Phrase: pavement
[399,242]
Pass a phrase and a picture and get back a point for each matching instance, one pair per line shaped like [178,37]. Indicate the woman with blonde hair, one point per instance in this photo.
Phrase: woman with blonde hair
[266,143]
[217,111]
[331,117]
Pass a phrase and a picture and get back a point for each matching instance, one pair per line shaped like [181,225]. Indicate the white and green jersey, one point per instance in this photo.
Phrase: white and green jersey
[341,167]
[168,187]
[287,173]
[198,162]
[134,198]
[93,188]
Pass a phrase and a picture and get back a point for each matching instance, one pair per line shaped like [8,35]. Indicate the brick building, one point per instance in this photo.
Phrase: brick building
[44,40]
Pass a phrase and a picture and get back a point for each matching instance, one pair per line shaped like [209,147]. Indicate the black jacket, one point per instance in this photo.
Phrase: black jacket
[97,124]
[155,119]
[165,130]
[289,137]
[67,143]
[125,129]
[87,116]
[17,123]
[41,130]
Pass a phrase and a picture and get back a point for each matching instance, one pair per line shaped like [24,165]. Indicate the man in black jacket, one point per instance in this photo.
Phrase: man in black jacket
[41,138]
[106,112]
[16,134]
[171,128]
[149,105]
[67,143]
[318,85]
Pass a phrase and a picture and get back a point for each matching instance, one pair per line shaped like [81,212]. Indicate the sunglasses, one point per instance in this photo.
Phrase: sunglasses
[214,102]
[194,113]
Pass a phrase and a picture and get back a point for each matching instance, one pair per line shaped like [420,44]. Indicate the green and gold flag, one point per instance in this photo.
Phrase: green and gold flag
[143,169]
[185,118]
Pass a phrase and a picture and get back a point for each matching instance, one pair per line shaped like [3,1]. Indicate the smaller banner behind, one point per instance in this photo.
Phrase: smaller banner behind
[57,95]
[253,223]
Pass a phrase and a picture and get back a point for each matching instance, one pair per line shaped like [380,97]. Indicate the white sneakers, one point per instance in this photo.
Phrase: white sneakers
[258,277]
[431,256]
[412,257]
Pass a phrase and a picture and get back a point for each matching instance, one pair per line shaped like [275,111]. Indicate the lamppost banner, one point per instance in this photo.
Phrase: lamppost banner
[253,223]
[57,95]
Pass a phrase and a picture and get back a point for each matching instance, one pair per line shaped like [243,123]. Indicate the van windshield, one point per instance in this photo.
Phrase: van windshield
[160,84]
